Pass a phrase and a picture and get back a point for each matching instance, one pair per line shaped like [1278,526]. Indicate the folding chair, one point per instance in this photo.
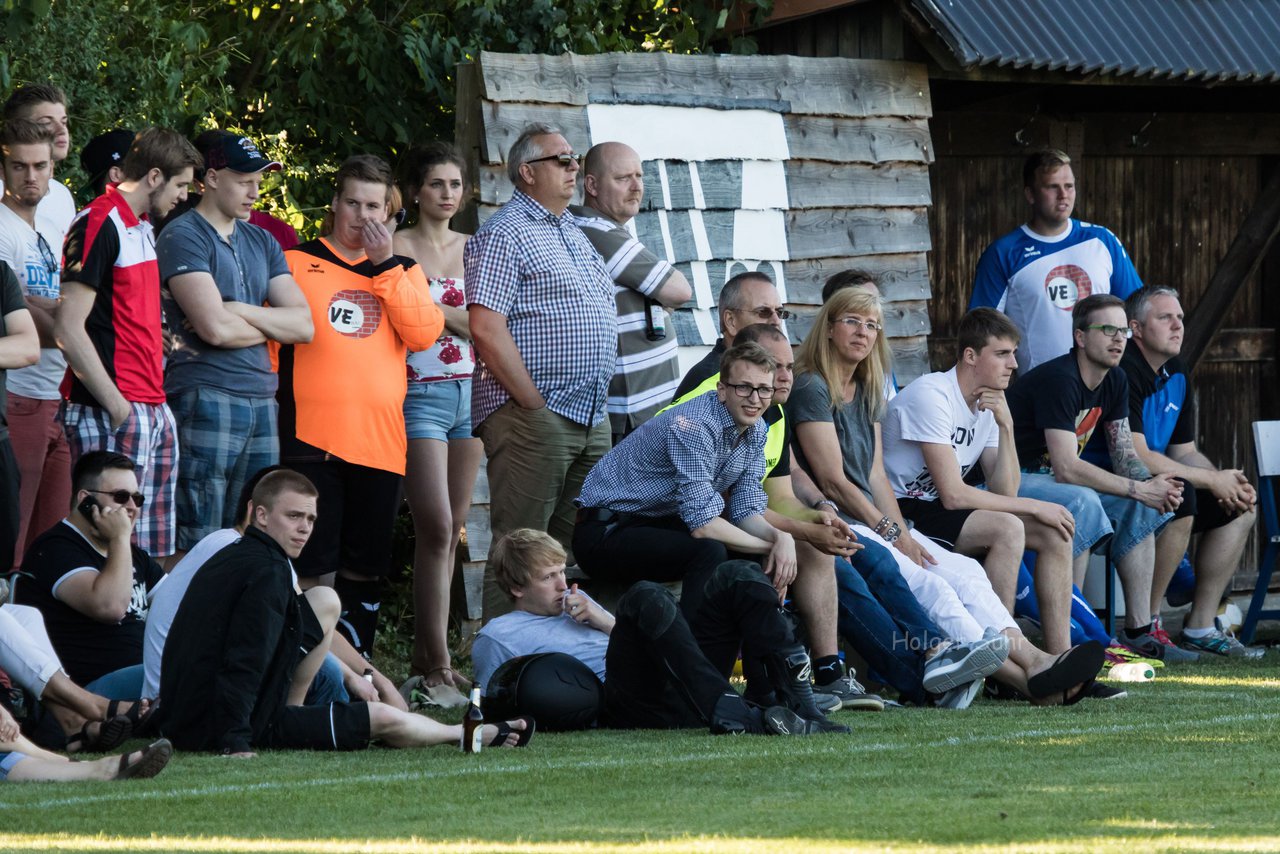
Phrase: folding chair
[1266,443]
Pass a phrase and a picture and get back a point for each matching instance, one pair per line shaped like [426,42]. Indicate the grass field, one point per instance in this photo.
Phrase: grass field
[1188,762]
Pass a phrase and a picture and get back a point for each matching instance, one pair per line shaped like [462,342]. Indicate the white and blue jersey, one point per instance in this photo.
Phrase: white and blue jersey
[1037,281]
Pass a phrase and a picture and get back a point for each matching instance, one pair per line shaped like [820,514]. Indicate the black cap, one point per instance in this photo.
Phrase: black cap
[225,150]
[104,151]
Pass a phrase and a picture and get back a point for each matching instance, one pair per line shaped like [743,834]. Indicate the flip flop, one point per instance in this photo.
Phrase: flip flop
[154,757]
[1079,695]
[505,729]
[112,733]
[1076,665]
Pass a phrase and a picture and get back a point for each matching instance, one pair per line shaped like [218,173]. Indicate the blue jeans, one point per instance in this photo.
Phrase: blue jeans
[1092,523]
[883,621]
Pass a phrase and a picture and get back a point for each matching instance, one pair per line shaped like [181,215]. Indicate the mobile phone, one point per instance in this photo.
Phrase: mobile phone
[86,507]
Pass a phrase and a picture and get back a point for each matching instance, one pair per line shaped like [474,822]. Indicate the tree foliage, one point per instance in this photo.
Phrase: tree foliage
[316,80]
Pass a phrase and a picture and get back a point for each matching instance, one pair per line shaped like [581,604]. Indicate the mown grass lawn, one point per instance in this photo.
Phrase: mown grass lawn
[1189,762]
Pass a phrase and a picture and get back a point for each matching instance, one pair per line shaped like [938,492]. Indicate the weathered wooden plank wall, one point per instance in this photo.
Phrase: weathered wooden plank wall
[796,166]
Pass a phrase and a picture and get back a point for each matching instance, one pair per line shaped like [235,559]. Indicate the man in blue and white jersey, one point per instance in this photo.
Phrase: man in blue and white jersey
[1038,272]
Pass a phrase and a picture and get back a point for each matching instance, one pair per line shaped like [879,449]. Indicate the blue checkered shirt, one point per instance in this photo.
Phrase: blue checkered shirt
[683,462]
[541,272]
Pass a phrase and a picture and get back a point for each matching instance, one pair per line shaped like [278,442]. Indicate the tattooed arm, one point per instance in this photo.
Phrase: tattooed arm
[1163,491]
[1069,468]
[1124,459]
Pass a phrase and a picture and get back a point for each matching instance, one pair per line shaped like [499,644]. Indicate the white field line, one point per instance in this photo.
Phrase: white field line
[594,764]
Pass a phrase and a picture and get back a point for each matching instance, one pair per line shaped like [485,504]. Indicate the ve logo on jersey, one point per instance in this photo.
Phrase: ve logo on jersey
[354,314]
[1066,285]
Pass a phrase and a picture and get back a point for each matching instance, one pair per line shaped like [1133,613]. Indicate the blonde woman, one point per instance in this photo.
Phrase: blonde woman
[835,409]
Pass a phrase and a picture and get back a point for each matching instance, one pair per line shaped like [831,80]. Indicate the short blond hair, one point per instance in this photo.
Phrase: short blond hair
[519,552]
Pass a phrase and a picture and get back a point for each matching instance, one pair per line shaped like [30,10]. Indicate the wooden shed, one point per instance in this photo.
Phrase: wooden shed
[797,167]
[1166,111]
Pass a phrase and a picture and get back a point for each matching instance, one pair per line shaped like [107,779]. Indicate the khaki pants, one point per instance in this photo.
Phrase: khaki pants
[537,461]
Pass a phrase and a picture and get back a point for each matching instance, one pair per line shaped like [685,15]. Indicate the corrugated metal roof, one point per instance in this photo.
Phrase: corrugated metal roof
[1204,40]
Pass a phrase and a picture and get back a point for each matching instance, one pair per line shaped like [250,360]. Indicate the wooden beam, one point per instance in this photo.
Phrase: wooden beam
[809,184]
[824,232]
[1242,345]
[826,86]
[985,133]
[1242,260]
[468,131]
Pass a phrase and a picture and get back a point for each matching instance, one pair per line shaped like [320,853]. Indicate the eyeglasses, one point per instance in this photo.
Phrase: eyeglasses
[51,264]
[858,322]
[122,496]
[765,312]
[565,160]
[764,392]
[1112,331]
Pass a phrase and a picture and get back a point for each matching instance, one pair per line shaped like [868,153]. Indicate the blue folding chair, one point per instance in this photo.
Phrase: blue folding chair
[1266,443]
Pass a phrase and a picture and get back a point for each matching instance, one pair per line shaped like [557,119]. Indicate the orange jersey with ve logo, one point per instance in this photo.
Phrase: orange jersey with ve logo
[344,391]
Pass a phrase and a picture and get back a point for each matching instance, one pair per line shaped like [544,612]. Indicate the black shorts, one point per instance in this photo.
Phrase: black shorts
[1201,504]
[356,517]
[936,522]
[333,726]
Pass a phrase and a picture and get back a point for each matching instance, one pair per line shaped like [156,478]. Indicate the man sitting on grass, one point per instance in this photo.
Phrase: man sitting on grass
[245,645]
[658,676]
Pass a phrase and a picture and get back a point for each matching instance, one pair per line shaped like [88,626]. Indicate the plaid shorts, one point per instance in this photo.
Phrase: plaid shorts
[149,437]
[223,441]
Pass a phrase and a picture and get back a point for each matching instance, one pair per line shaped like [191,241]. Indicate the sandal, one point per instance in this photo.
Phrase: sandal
[152,761]
[505,729]
[1076,665]
[112,733]
[136,716]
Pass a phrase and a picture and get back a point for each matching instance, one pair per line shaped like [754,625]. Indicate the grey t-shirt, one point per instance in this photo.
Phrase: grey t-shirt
[811,401]
[242,267]
[521,633]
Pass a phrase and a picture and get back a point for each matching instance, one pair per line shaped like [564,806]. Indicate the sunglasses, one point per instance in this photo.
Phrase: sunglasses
[50,260]
[565,160]
[122,496]
[765,312]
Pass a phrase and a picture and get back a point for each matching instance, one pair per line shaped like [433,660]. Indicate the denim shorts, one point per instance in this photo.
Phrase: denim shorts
[438,410]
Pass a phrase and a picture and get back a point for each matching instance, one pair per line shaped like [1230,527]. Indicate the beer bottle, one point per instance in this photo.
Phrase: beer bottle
[473,724]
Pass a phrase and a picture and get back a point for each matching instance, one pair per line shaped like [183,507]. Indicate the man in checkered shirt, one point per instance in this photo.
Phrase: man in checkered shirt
[545,330]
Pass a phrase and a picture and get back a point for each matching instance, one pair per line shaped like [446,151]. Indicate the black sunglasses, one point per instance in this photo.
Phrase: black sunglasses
[565,160]
[122,496]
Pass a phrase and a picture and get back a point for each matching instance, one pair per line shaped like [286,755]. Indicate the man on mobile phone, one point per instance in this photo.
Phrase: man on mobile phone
[91,583]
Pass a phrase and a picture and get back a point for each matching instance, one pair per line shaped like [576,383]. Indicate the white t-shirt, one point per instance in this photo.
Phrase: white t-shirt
[35,254]
[59,207]
[932,409]
[165,599]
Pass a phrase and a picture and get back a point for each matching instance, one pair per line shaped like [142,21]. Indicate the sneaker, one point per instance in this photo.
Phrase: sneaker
[418,695]
[826,702]
[961,663]
[961,697]
[851,693]
[1118,653]
[1221,643]
[1098,691]
[1157,644]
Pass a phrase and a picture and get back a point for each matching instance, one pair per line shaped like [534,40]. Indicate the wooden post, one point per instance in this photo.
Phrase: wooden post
[1242,260]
